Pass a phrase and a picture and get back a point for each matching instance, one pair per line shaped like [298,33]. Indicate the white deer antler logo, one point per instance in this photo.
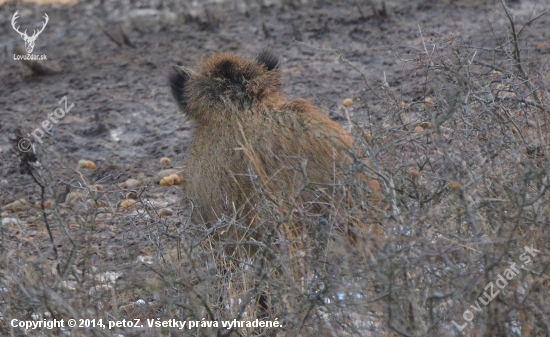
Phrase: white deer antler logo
[29,40]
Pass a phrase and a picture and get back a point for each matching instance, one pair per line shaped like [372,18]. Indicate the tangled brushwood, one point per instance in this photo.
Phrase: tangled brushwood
[431,217]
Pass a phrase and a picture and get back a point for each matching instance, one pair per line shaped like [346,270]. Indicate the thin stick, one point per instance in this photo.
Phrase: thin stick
[424,44]
[42,194]
[517,53]
[107,33]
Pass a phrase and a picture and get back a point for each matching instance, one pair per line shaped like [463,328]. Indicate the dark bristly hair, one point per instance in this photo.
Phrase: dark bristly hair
[225,82]
[178,79]
[269,59]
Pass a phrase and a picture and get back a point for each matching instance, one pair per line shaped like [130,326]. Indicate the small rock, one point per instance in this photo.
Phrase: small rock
[164,173]
[165,161]
[145,259]
[73,198]
[170,180]
[165,212]
[109,276]
[128,204]
[131,195]
[418,130]
[455,185]
[130,184]
[10,221]
[16,206]
[88,164]
[97,187]
[69,285]
[414,173]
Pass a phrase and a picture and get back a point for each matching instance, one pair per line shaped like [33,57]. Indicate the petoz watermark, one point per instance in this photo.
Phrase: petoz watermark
[501,282]
[46,127]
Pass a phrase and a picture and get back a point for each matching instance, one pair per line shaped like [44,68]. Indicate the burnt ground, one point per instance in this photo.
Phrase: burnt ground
[125,119]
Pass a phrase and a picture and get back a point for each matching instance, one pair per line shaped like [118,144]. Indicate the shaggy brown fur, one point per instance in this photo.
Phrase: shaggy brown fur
[253,144]
[249,135]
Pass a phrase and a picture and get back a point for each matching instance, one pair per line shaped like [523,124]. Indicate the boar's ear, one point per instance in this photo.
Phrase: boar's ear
[178,79]
[268,59]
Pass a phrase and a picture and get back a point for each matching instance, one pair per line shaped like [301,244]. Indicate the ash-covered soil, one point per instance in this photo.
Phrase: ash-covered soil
[124,117]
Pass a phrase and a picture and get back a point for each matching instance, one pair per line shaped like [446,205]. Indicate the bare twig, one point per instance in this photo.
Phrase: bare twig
[108,34]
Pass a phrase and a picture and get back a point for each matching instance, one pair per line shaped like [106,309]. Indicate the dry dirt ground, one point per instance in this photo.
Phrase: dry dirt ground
[113,58]
[124,117]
